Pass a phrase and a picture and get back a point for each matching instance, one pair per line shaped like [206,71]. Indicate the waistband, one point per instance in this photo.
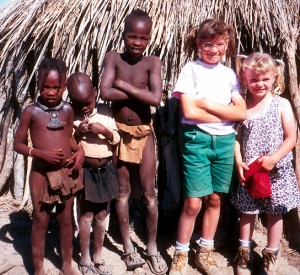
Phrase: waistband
[97,167]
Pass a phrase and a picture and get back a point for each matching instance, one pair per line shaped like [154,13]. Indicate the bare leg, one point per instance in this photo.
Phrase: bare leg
[247,223]
[64,219]
[275,229]
[99,231]
[122,205]
[187,219]
[100,213]
[85,222]
[147,171]
[211,215]
[131,258]
[41,217]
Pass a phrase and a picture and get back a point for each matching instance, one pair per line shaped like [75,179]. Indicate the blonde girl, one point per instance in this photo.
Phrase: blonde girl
[269,130]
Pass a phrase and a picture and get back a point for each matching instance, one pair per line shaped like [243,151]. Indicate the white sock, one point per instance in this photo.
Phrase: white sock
[272,249]
[183,247]
[245,243]
[206,242]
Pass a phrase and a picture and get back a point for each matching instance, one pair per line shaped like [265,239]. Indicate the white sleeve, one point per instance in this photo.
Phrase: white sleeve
[236,87]
[185,83]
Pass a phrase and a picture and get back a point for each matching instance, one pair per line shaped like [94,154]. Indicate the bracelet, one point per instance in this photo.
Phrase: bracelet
[29,153]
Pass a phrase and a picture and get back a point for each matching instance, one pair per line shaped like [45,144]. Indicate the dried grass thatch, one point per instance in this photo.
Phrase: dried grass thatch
[81,32]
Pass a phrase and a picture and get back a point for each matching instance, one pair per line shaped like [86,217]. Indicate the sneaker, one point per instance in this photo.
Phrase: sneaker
[205,261]
[179,262]
[270,259]
[244,261]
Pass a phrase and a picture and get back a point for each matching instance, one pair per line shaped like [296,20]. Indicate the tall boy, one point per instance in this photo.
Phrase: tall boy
[133,83]
[50,122]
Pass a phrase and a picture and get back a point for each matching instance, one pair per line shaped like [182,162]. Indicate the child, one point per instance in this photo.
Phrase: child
[133,83]
[51,182]
[210,98]
[269,130]
[97,132]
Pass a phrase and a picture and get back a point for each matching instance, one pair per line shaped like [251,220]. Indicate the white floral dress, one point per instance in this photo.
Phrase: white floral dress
[263,135]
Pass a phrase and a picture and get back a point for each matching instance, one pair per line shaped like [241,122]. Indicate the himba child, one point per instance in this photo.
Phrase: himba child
[96,131]
[133,83]
[211,102]
[269,130]
[53,179]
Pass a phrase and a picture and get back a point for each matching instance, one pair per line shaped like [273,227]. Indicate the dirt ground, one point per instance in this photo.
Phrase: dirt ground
[15,252]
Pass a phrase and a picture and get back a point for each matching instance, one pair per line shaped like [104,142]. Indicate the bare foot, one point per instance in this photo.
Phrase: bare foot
[102,268]
[133,260]
[39,272]
[156,263]
[68,271]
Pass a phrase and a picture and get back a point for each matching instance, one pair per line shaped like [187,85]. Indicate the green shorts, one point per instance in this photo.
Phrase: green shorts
[208,162]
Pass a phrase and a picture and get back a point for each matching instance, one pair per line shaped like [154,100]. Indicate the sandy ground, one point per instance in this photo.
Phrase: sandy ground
[15,252]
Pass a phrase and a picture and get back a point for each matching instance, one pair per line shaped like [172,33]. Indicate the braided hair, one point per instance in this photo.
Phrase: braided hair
[49,64]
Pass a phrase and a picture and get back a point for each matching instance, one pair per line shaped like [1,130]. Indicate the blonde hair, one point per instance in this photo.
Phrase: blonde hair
[262,63]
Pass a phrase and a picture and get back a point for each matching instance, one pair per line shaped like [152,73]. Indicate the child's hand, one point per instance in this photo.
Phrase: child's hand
[241,167]
[76,161]
[55,156]
[82,128]
[97,128]
[267,162]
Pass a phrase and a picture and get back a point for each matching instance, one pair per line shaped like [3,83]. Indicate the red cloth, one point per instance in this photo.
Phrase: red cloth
[257,179]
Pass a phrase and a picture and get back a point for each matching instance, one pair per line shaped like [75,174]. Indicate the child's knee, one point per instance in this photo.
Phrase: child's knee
[123,196]
[64,222]
[149,198]
[40,221]
[213,201]
[101,216]
[191,208]
[100,222]
[40,224]
[87,218]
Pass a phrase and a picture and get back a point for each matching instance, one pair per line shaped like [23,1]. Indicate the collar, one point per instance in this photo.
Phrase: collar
[46,108]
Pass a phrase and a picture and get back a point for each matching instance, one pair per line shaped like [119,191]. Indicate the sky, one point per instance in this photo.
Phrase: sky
[3,3]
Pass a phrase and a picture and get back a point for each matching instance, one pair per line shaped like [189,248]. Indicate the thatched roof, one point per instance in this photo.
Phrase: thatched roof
[81,32]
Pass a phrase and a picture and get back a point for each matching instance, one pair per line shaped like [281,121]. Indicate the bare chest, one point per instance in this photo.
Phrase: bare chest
[136,74]
[50,130]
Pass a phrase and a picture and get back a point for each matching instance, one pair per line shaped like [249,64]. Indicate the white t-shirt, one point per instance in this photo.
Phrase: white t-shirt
[217,83]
